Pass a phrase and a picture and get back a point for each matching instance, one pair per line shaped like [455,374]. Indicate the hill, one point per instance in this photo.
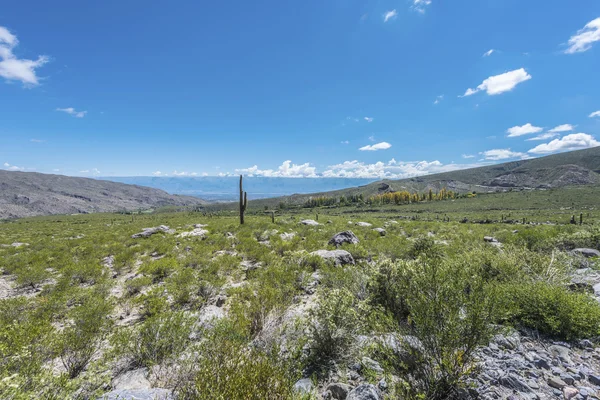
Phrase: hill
[24,194]
[581,167]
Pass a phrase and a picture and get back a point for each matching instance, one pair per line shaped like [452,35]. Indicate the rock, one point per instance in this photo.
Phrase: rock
[131,380]
[147,232]
[490,239]
[310,222]
[390,222]
[343,237]
[339,391]
[138,394]
[196,232]
[513,381]
[570,392]
[287,236]
[382,385]
[266,235]
[569,380]
[594,379]
[556,382]
[542,363]
[304,386]
[19,244]
[220,300]
[560,352]
[209,314]
[108,261]
[588,253]
[371,364]
[225,253]
[381,231]
[200,225]
[364,224]
[339,257]
[363,392]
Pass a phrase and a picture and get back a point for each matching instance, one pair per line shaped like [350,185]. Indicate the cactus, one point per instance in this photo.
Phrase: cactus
[580,218]
[243,201]
[273,216]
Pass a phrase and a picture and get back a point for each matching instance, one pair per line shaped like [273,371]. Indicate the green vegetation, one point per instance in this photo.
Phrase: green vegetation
[245,311]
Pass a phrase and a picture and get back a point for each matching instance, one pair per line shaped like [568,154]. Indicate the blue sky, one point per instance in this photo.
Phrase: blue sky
[313,88]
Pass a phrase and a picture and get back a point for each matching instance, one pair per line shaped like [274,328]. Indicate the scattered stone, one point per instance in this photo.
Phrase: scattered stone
[147,232]
[304,386]
[594,379]
[515,382]
[381,231]
[560,352]
[108,261]
[490,239]
[430,234]
[225,253]
[371,364]
[587,253]
[310,222]
[209,314]
[196,232]
[19,244]
[138,394]
[556,382]
[220,300]
[248,265]
[339,257]
[364,224]
[343,237]
[570,392]
[287,236]
[364,392]
[339,391]
[132,380]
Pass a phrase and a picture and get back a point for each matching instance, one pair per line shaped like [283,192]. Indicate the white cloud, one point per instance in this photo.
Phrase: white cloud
[285,170]
[468,156]
[184,173]
[523,130]
[488,53]
[345,142]
[420,5]
[37,140]
[544,136]
[372,138]
[391,170]
[438,99]
[375,147]
[595,114]
[562,128]
[574,141]
[13,68]
[501,154]
[12,167]
[56,170]
[585,37]
[93,171]
[501,83]
[368,119]
[71,111]
[390,15]
[157,173]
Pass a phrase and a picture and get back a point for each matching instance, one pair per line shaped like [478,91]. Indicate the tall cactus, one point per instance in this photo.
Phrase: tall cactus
[243,201]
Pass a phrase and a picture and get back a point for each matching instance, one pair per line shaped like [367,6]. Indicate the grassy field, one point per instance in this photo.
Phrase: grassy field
[246,311]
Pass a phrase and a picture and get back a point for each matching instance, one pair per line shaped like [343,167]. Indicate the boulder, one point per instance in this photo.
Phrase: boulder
[339,257]
[132,380]
[343,237]
[381,231]
[587,253]
[287,236]
[364,224]
[364,392]
[199,232]
[339,391]
[310,222]
[138,394]
[147,232]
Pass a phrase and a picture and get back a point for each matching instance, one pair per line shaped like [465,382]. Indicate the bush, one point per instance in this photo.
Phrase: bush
[425,247]
[158,338]
[449,307]
[228,369]
[333,328]
[159,269]
[552,310]
[78,343]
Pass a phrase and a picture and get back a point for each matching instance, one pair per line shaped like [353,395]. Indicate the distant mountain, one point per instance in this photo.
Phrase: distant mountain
[227,188]
[581,167]
[24,194]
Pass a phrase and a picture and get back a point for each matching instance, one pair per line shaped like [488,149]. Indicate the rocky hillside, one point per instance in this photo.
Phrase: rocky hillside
[24,194]
[580,167]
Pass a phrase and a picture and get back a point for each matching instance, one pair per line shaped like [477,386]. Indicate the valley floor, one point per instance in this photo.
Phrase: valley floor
[340,303]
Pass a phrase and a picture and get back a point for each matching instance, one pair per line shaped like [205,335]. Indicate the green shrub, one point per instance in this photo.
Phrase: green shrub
[135,286]
[449,307]
[333,328]
[182,286]
[228,369]
[552,310]
[156,339]
[159,269]
[78,342]
[425,247]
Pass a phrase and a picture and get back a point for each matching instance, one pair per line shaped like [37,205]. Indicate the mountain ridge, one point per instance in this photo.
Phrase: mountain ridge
[26,194]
